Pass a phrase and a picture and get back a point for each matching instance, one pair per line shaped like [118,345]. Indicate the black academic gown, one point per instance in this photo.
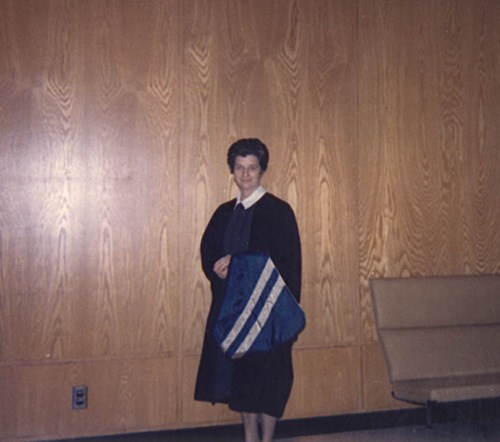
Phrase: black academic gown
[274,231]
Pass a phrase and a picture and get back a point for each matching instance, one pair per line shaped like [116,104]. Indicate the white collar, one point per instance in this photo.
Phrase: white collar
[248,202]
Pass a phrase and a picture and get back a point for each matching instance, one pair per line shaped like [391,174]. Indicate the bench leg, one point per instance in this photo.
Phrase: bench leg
[429,415]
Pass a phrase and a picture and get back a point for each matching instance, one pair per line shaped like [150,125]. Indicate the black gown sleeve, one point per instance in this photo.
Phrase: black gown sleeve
[276,232]
[286,253]
[211,246]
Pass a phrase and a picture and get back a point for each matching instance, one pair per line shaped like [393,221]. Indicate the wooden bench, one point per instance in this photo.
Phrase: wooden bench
[440,337]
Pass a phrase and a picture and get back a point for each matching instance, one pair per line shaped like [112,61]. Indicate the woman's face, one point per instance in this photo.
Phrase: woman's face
[247,174]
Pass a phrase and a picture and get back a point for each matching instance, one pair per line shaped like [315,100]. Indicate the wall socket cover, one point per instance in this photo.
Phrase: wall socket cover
[80,397]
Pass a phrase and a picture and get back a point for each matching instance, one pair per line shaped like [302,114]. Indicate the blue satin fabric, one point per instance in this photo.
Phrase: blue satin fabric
[286,319]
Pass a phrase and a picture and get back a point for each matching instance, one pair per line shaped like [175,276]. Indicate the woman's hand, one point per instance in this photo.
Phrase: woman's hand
[221,267]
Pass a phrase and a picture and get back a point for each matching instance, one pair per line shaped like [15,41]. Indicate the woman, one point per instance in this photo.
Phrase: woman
[256,385]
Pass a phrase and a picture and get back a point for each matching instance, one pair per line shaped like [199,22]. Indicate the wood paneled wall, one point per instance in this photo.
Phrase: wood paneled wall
[115,118]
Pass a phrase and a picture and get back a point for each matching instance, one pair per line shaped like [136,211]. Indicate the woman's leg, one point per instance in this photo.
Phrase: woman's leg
[268,424]
[251,425]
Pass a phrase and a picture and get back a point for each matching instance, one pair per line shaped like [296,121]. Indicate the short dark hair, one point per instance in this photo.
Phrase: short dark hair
[248,146]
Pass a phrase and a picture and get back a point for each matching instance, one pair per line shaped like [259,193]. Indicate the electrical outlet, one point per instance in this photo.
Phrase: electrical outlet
[80,398]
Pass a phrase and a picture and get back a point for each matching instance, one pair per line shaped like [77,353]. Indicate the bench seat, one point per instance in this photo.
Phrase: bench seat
[448,389]
[440,336]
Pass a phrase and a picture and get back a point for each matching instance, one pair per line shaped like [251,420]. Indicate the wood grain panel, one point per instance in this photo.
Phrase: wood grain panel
[376,386]
[285,71]
[482,156]
[418,141]
[161,99]
[203,169]
[330,189]
[89,217]
[16,114]
[40,133]
[123,396]
[379,159]
[60,128]
[131,210]
[327,382]
[113,114]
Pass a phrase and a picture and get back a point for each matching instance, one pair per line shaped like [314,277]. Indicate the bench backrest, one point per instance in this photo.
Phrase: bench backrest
[435,327]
